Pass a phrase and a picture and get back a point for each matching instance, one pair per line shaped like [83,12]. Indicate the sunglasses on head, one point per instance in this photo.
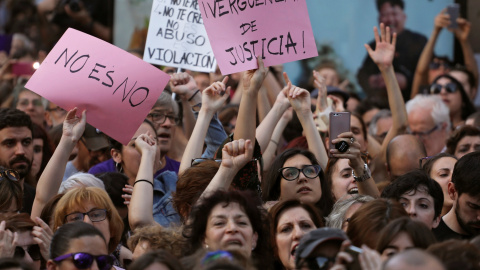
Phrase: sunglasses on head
[32,250]
[9,174]
[83,260]
[436,88]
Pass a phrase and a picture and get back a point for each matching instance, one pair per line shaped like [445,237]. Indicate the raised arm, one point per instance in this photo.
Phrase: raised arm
[270,153]
[51,178]
[461,33]
[140,210]
[383,57]
[235,155]
[246,123]
[213,99]
[300,100]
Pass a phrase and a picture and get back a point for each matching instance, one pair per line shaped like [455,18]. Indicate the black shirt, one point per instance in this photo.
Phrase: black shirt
[443,232]
[28,197]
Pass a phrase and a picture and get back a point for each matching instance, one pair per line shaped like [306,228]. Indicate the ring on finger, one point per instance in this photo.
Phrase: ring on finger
[348,150]
[352,140]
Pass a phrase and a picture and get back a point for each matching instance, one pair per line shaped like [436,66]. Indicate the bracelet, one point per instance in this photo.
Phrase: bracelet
[143,180]
[196,92]
[274,142]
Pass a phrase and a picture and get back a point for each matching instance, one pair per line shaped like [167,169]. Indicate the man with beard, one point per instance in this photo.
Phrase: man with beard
[92,148]
[16,149]
[463,220]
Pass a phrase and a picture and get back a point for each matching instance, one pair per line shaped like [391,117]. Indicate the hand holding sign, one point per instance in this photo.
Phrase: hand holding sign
[253,79]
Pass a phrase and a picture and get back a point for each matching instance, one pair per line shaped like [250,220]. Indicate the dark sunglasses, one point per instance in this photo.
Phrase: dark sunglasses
[85,260]
[422,160]
[32,250]
[436,88]
[292,173]
[9,174]
[435,66]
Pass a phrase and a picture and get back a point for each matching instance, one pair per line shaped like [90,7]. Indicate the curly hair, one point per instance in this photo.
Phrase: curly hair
[170,239]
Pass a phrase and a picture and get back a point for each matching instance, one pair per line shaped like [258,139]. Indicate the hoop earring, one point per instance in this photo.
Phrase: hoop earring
[119,167]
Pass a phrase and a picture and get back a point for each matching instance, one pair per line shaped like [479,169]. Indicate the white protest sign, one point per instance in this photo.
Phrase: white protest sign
[177,38]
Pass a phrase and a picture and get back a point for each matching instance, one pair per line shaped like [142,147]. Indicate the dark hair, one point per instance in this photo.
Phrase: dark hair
[278,210]
[190,185]
[459,134]
[196,226]
[11,263]
[371,218]
[421,236]
[470,75]
[467,105]
[370,103]
[414,181]
[157,256]
[428,164]
[10,191]
[17,222]
[49,209]
[14,118]
[40,133]
[271,183]
[465,174]
[159,237]
[399,3]
[362,124]
[114,183]
[456,254]
[62,237]
[476,118]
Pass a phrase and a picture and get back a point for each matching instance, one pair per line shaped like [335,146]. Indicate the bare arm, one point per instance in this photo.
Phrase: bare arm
[462,33]
[270,153]
[51,178]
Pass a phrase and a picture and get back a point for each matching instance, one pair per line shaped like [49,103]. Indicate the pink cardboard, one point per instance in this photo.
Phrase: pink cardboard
[277,30]
[116,88]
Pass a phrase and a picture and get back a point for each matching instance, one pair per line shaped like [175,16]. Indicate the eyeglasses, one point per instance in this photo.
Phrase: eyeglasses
[9,174]
[83,260]
[436,65]
[319,263]
[436,88]
[292,173]
[159,118]
[422,160]
[32,250]
[57,110]
[26,102]
[424,134]
[96,215]
[196,161]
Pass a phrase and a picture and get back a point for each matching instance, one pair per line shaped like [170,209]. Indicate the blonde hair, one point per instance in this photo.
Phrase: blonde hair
[77,197]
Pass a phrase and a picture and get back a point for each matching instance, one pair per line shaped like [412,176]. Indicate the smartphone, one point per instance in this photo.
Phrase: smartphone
[339,123]
[354,252]
[23,68]
[454,11]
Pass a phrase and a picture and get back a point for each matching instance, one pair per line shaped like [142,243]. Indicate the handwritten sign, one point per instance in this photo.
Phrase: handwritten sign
[239,30]
[116,88]
[177,37]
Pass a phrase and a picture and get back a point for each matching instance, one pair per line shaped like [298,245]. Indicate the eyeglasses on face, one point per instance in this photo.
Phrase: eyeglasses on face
[436,65]
[292,173]
[57,110]
[95,215]
[159,118]
[25,102]
[436,88]
[32,250]
[424,134]
[83,260]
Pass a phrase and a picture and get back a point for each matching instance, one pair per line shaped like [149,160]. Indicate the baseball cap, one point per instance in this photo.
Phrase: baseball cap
[94,139]
[314,238]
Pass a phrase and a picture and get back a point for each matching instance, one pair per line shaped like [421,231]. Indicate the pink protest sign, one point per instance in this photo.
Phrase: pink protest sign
[116,88]
[277,30]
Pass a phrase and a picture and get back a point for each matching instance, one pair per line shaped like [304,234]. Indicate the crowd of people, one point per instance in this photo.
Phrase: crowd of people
[239,172]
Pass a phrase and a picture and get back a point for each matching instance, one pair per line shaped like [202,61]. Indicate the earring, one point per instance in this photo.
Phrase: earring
[119,167]
[206,246]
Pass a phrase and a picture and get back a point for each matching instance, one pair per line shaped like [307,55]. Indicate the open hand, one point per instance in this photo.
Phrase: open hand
[214,96]
[73,126]
[384,48]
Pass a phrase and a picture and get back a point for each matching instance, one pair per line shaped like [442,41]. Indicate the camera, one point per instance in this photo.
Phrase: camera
[74,5]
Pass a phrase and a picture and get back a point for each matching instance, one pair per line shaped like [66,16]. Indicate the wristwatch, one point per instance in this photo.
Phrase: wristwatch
[366,174]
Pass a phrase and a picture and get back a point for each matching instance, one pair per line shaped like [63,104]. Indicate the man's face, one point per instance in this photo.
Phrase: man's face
[467,211]
[432,136]
[16,149]
[392,16]
[31,104]
[165,130]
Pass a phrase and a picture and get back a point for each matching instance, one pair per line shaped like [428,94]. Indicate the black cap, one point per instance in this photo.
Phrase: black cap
[312,239]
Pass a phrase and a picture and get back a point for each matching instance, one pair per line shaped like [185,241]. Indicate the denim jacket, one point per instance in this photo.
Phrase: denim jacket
[163,186]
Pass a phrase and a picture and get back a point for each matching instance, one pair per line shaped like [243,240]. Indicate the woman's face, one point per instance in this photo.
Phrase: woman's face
[330,75]
[467,145]
[229,227]
[93,245]
[37,156]
[452,100]
[356,128]
[400,243]
[292,225]
[103,226]
[441,172]
[343,184]
[130,157]
[303,189]
[31,104]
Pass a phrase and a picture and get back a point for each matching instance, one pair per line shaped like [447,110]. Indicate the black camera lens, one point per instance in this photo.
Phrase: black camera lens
[74,5]
[342,146]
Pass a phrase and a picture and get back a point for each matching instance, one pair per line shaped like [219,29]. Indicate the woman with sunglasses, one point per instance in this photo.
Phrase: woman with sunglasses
[79,245]
[454,96]
[11,194]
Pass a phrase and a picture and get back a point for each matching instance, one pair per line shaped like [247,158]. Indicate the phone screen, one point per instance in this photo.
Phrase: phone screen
[454,12]
[339,123]
[23,68]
